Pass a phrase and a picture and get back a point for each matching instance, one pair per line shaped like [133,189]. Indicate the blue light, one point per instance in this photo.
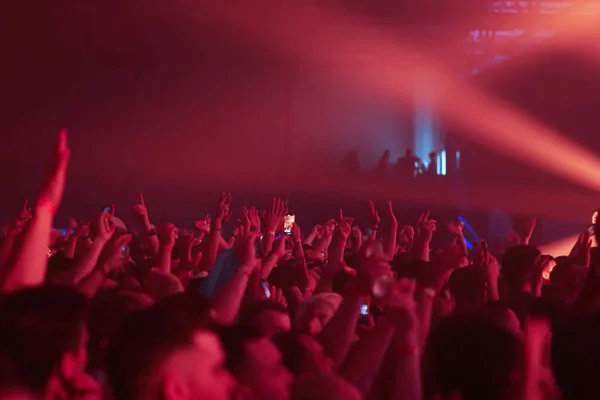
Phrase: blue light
[469,228]
[441,164]
[469,245]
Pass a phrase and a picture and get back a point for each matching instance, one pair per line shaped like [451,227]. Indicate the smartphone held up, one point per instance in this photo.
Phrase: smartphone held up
[288,223]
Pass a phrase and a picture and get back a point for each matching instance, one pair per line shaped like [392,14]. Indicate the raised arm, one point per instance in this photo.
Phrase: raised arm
[456,229]
[229,299]
[150,236]
[214,237]
[406,347]
[426,227]
[316,232]
[30,263]
[168,237]
[273,223]
[105,230]
[390,243]
[108,262]
[529,228]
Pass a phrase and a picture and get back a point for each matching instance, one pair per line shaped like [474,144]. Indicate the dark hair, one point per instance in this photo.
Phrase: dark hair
[234,339]
[108,308]
[38,326]
[250,315]
[294,353]
[467,285]
[138,346]
[471,356]
[517,265]
[575,358]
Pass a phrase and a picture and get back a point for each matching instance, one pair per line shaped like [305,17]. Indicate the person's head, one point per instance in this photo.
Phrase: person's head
[575,358]
[519,266]
[268,316]
[159,285]
[468,287]
[154,354]
[256,363]
[314,313]
[568,279]
[472,357]
[433,156]
[301,353]
[108,309]
[324,387]
[409,153]
[43,338]
[385,156]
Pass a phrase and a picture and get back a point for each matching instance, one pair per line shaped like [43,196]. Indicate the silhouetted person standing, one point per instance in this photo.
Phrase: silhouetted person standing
[383,166]
[433,165]
[408,165]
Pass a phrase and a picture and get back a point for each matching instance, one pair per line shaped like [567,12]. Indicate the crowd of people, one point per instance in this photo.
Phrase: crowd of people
[271,311]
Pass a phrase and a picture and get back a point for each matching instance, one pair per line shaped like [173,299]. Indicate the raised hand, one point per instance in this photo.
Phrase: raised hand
[426,226]
[282,246]
[203,225]
[169,235]
[400,305]
[56,176]
[357,237]
[112,256]
[106,229]
[514,237]
[140,209]
[456,228]
[317,230]
[329,227]
[254,219]
[245,217]
[246,251]
[374,216]
[296,233]
[223,207]
[345,229]
[274,216]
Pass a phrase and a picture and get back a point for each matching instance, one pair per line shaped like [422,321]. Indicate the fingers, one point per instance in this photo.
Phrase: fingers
[26,205]
[142,202]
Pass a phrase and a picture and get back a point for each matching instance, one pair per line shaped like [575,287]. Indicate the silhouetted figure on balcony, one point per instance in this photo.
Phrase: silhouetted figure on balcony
[408,165]
[432,168]
[383,166]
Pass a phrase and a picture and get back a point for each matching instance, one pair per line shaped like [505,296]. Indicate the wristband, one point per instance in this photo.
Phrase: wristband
[48,205]
[152,232]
